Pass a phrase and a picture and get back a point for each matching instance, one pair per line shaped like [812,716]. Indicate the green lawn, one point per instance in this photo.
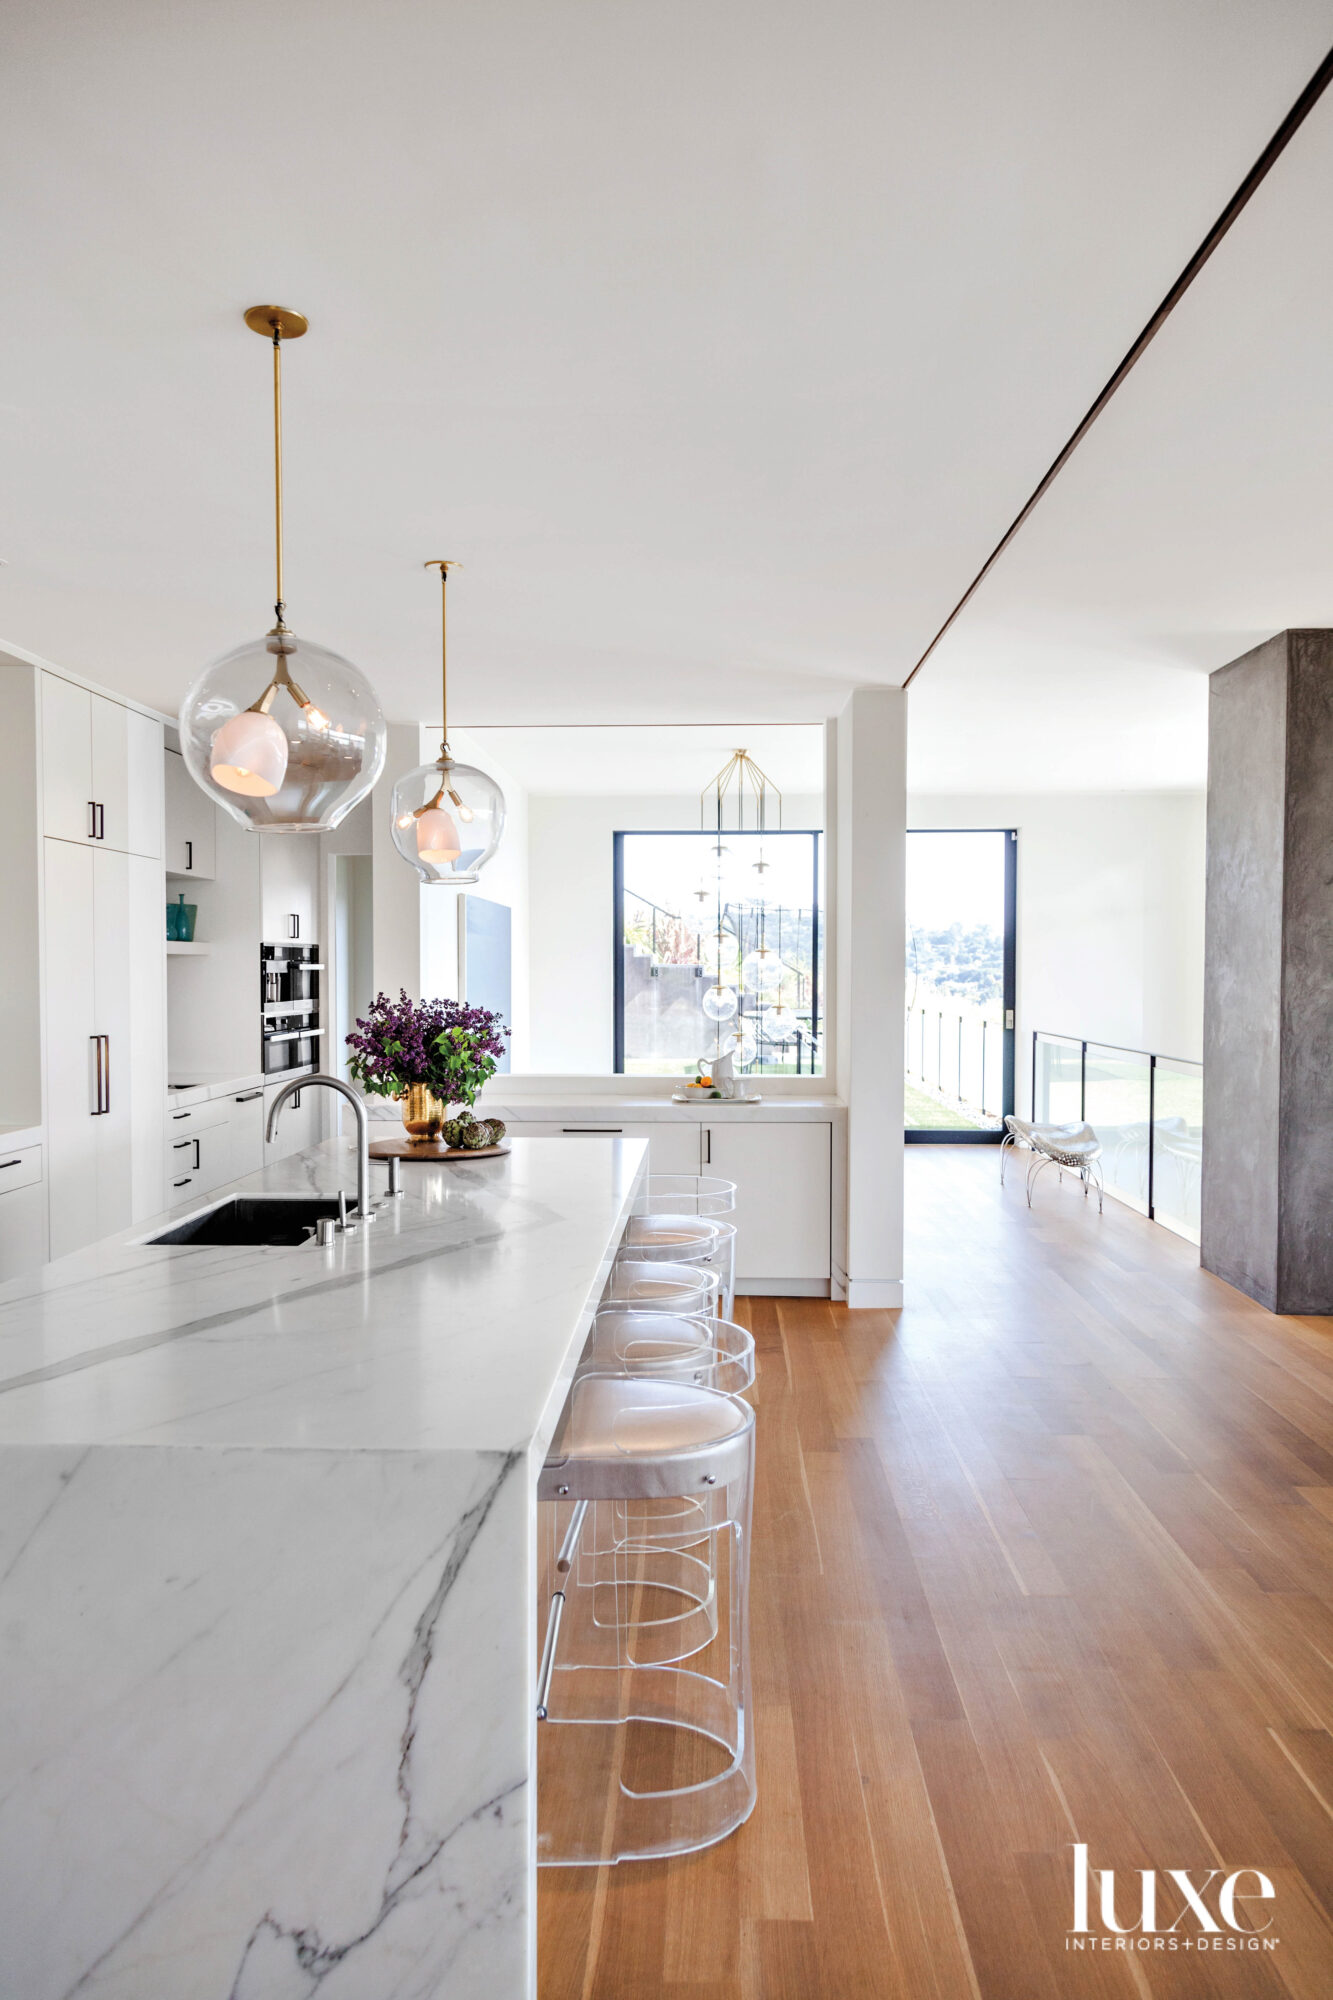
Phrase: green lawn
[923,1113]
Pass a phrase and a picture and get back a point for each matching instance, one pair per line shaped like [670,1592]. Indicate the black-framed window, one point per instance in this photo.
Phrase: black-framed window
[719,948]
[962,907]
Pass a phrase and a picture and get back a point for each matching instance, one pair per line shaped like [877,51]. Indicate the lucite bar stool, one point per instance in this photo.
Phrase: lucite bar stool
[651,1286]
[685,1239]
[640,1755]
[711,1353]
[694,1194]
[675,1347]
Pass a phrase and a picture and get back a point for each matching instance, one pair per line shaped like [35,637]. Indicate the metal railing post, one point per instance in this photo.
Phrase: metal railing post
[1152,1129]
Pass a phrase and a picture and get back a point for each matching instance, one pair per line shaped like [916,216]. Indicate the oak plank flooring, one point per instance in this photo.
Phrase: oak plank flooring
[1046,1556]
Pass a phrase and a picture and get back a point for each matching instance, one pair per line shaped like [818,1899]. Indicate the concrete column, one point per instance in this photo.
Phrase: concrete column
[868,823]
[1267,1224]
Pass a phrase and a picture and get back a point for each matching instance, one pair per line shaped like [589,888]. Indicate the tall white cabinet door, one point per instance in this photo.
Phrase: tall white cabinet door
[146,1080]
[290,888]
[191,822]
[111,788]
[67,766]
[783,1176]
[71,1099]
[113,1021]
[144,757]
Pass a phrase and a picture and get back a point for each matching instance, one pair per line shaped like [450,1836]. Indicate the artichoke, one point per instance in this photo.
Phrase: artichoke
[474,1137]
[498,1129]
[454,1130]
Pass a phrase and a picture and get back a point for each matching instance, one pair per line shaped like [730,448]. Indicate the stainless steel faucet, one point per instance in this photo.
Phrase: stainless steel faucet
[364,1211]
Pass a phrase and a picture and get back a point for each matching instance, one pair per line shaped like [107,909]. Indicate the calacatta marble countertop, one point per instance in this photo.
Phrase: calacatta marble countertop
[268,1530]
[453,1322]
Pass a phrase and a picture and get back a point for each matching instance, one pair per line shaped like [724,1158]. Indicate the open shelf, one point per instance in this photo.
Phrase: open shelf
[175,950]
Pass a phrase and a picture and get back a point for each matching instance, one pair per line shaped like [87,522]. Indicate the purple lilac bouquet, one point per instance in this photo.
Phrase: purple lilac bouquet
[450,1048]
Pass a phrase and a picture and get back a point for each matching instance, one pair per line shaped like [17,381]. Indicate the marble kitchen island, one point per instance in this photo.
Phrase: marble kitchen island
[267,1621]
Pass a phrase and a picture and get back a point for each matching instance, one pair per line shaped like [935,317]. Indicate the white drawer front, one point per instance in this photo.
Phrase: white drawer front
[197,1117]
[19,1169]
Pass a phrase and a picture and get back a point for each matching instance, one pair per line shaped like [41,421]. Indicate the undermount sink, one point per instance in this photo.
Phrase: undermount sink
[281,1220]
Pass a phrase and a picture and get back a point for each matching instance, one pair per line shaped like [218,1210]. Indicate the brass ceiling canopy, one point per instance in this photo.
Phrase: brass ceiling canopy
[277,322]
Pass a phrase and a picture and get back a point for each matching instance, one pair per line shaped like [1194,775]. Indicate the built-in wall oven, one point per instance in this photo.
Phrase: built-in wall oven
[289,984]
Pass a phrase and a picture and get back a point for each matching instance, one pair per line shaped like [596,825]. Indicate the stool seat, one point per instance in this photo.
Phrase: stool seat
[628,1436]
[655,1286]
[715,1352]
[623,1340]
[665,1236]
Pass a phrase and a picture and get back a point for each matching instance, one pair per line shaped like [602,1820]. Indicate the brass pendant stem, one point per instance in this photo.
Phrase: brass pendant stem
[444,567]
[278,606]
[277,323]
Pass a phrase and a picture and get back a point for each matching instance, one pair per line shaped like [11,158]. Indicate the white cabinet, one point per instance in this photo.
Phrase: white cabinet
[101,770]
[783,1176]
[109,785]
[246,1125]
[198,1148]
[191,823]
[290,888]
[68,811]
[213,1156]
[673,1147]
[105,1060]
[23,1221]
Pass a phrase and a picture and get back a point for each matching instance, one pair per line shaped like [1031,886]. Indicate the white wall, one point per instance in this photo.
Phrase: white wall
[570,883]
[1110,914]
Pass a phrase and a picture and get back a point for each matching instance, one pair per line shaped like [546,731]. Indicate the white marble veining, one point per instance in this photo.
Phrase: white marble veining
[266,1591]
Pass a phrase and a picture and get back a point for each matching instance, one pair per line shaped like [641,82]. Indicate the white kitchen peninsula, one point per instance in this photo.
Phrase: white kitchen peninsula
[266,1590]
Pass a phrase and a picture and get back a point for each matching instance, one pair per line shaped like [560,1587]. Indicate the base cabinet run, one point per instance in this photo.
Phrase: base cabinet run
[783,1172]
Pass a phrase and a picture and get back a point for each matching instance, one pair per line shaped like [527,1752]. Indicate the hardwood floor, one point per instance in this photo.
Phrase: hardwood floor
[1045,1558]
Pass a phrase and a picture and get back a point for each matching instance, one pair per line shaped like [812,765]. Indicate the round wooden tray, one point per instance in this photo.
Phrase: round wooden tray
[403,1148]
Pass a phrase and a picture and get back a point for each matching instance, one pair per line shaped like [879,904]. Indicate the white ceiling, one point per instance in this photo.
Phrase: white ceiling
[667,761]
[718,342]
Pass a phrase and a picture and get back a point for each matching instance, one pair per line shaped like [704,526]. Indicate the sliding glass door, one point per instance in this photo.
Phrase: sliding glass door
[959,1002]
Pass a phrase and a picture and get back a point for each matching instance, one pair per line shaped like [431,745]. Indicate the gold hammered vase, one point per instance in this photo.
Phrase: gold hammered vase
[424,1113]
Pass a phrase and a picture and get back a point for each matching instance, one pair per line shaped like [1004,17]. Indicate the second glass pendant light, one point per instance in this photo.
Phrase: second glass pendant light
[447,817]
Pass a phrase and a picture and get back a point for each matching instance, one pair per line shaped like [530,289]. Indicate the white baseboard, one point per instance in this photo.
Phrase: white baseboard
[874,1294]
[782,1288]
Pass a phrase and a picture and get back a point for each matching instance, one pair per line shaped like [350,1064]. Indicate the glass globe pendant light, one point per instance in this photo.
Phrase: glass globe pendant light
[447,817]
[719,1002]
[285,735]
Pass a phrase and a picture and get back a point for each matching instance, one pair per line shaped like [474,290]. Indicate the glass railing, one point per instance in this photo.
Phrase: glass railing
[1146,1109]
[954,1062]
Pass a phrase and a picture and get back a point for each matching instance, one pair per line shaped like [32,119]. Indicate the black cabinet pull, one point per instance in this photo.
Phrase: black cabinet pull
[189,855]
[10,1163]
[101,1074]
[196,1156]
[184,1183]
[176,1116]
[101,821]
[293,927]
[92,819]
[179,1145]
[247,1097]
